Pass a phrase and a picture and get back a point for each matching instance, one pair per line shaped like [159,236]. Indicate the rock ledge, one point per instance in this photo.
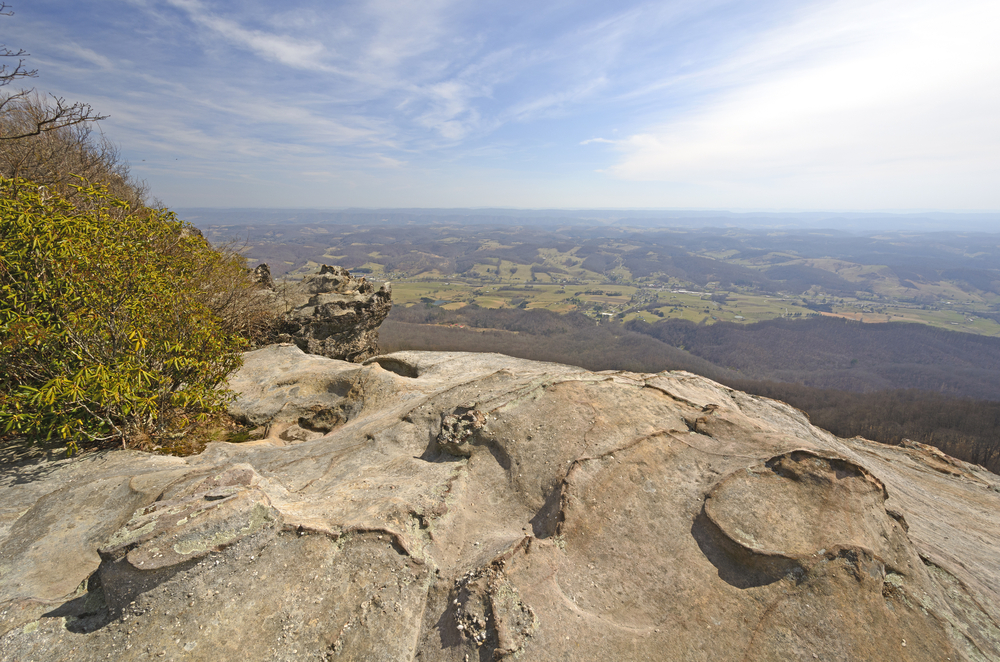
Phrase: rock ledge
[449,506]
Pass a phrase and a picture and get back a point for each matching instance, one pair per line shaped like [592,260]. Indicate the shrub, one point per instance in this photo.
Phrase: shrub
[107,327]
[54,156]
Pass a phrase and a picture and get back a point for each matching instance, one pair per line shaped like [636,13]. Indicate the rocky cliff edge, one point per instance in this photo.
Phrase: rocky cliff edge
[447,506]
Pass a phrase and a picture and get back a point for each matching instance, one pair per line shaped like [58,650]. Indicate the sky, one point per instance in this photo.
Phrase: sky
[856,105]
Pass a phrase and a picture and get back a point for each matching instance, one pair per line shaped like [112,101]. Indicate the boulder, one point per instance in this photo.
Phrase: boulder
[455,506]
[330,313]
[261,275]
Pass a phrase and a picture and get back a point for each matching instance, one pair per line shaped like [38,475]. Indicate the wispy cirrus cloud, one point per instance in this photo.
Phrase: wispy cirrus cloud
[732,103]
[286,49]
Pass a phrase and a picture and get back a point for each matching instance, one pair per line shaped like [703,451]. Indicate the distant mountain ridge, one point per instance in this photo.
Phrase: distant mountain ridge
[646,218]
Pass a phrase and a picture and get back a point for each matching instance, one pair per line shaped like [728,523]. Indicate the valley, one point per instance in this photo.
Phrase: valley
[704,275]
[887,335]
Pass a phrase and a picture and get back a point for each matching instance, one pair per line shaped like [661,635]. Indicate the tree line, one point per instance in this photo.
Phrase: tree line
[965,427]
[830,352]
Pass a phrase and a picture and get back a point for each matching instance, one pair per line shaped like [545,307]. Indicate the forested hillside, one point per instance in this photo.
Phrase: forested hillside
[540,335]
[807,363]
[832,353]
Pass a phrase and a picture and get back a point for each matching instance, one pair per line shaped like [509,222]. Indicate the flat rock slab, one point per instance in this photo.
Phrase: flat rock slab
[450,506]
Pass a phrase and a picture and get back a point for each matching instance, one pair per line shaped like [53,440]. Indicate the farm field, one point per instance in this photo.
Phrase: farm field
[624,303]
[765,311]
[622,274]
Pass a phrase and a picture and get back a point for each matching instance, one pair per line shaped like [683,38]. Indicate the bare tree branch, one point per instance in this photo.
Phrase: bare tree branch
[58,114]
[8,74]
[49,151]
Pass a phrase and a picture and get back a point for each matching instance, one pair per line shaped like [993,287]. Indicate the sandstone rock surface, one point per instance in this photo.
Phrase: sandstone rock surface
[449,506]
[332,313]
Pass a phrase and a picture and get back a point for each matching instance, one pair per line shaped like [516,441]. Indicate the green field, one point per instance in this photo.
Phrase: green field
[677,275]
[622,301]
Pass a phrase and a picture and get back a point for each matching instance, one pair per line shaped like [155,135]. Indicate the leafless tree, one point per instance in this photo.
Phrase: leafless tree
[54,156]
[8,74]
[58,112]
[51,142]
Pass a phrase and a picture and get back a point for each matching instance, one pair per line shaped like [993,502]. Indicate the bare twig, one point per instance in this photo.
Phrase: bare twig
[59,114]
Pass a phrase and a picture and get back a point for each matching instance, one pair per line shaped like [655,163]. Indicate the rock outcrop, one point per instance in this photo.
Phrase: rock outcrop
[331,313]
[447,506]
[261,275]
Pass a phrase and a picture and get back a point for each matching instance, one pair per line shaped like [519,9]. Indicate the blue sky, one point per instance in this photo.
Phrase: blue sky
[828,105]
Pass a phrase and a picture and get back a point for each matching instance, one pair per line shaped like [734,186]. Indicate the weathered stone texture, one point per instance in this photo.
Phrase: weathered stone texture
[448,506]
[332,314]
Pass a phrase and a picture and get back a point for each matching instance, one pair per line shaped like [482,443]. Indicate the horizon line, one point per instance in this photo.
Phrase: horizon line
[700,210]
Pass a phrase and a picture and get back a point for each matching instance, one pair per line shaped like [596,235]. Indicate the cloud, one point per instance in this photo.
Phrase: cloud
[558,102]
[849,99]
[388,162]
[715,103]
[287,50]
[77,51]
